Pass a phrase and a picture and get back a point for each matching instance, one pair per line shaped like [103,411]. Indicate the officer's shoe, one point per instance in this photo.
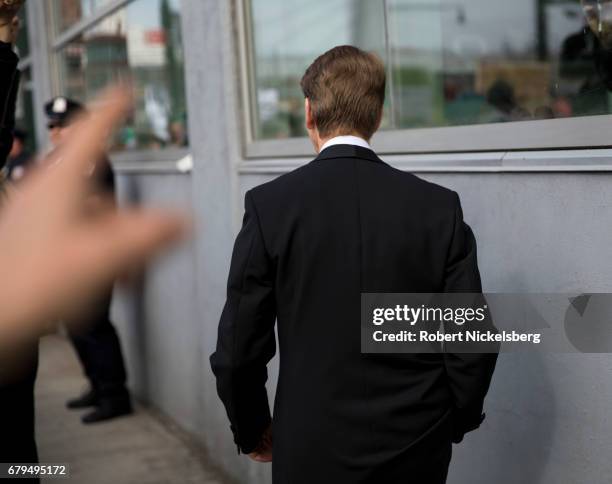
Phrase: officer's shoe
[88,399]
[108,409]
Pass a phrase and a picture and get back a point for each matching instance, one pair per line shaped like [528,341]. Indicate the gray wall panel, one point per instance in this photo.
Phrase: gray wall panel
[155,314]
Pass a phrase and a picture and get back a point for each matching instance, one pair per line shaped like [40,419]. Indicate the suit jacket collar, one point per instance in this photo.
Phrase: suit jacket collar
[347,151]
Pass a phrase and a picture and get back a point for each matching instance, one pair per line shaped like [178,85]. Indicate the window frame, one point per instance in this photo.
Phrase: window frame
[568,144]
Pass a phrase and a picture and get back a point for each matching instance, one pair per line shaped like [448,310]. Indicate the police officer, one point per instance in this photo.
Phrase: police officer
[94,337]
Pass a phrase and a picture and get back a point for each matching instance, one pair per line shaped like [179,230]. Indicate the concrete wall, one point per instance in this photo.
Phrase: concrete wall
[155,312]
[548,415]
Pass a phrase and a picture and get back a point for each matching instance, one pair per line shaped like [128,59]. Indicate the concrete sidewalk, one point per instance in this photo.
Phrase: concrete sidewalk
[139,449]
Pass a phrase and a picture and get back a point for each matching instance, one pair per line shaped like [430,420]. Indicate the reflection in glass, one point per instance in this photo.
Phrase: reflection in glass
[287,36]
[451,62]
[483,61]
[598,14]
[142,42]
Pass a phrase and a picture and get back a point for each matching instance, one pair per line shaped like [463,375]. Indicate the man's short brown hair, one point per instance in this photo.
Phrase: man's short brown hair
[346,90]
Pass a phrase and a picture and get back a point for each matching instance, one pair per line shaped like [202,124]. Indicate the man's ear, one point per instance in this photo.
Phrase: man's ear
[310,124]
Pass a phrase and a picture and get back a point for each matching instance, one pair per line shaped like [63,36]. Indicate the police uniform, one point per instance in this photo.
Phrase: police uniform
[93,335]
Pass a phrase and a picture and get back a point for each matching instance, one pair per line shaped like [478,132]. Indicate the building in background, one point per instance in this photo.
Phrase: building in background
[507,103]
[88,44]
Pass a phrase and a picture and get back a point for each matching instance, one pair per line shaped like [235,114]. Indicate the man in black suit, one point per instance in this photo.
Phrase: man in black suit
[311,242]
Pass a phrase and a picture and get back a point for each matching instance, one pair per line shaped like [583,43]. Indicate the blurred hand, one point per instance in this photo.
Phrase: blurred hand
[54,256]
[263,452]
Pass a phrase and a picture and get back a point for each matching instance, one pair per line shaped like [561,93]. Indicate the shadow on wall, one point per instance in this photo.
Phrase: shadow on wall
[513,445]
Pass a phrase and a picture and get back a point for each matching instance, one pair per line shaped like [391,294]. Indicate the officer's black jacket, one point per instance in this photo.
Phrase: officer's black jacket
[311,242]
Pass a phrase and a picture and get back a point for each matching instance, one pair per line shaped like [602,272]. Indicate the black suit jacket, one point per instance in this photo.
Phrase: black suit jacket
[311,242]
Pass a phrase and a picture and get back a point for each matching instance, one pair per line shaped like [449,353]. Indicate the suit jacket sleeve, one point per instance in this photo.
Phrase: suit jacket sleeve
[469,374]
[9,85]
[246,339]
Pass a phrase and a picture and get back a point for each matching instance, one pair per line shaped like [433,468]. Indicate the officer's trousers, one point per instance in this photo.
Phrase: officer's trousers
[99,350]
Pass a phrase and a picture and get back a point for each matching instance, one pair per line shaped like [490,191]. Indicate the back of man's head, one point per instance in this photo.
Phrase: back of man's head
[346,90]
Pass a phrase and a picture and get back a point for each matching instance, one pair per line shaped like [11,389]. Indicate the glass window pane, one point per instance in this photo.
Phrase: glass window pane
[451,62]
[69,12]
[143,42]
[487,61]
[287,35]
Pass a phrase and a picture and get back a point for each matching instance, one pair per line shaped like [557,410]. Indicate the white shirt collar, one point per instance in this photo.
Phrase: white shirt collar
[346,140]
